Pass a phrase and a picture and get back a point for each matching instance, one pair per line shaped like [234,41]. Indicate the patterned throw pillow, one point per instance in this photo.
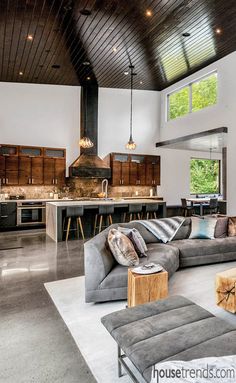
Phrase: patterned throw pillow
[232,227]
[203,228]
[136,239]
[122,248]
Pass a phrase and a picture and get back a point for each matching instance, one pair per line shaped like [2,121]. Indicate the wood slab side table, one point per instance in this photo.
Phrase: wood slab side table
[225,290]
[146,288]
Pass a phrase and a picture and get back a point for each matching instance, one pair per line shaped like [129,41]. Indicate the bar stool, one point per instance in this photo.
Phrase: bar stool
[135,210]
[151,210]
[74,213]
[104,211]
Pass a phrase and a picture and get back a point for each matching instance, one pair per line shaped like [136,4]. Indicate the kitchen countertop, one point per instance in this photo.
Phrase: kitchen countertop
[78,199]
[97,202]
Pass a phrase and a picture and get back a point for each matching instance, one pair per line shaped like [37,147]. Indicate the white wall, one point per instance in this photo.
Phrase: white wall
[222,114]
[40,115]
[114,120]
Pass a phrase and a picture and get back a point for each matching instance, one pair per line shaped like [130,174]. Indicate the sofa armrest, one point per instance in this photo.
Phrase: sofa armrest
[98,261]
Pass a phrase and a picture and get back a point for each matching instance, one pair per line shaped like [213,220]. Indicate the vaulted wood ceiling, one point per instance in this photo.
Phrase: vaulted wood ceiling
[108,35]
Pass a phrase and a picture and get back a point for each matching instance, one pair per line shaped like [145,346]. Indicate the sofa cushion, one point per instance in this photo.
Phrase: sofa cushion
[203,228]
[166,256]
[122,248]
[193,252]
[136,239]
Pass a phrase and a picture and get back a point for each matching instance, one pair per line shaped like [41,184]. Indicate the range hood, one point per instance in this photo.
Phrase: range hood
[88,164]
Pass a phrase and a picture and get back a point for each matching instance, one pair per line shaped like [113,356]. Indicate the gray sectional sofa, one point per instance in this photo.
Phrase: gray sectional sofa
[105,280]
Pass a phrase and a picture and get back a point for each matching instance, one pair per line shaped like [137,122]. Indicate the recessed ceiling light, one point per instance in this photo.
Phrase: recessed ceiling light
[141,83]
[88,78]
[186,34]
[30,37]
[218,31]
[85,12]
[148,13]
[114,49]
[56,66]
[126,73]
[21,73]
[86,63]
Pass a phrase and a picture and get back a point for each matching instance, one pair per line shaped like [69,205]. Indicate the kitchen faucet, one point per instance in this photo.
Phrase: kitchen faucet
[105,187]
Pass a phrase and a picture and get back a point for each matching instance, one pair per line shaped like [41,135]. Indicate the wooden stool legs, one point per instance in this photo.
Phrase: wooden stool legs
[78,225]
[100,226]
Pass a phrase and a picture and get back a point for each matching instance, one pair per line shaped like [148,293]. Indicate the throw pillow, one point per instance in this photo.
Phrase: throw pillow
[136,239]
[232,227]
[221,229]
[203,228]
[122,248]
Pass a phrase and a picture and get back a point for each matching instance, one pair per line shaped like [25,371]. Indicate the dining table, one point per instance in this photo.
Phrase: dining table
[200,201]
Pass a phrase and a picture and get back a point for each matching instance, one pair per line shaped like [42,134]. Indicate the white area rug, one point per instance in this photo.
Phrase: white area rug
[95,343]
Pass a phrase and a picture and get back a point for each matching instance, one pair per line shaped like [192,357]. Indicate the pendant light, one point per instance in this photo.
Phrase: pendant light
[85,141]
[131,144]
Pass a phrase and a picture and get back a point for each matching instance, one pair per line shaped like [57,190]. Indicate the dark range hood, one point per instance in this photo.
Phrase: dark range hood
[88,164]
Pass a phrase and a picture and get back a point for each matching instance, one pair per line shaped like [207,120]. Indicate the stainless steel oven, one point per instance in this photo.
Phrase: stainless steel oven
[31,213]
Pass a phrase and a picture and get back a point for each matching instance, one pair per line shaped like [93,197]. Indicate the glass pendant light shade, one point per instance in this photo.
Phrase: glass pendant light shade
[131,144]
[85,143]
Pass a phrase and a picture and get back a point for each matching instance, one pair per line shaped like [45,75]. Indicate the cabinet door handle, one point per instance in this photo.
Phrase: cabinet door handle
[6,180]
[53,181]
[3,203]
[32,180]
[56,181]
[3,181]
[29,180]
[4,216]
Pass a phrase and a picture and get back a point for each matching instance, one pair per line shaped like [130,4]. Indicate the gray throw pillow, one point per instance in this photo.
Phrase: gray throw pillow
[203,228]
[122,248]
[136,239]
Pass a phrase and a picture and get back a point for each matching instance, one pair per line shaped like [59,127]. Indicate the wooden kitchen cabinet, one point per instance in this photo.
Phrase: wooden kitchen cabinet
[153,170]
[134,170]
[30,165]
[120,169]
[54,171]
[30,170]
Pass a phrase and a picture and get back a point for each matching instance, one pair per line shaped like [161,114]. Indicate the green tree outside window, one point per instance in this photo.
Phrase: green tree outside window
[202,93]
[204,176]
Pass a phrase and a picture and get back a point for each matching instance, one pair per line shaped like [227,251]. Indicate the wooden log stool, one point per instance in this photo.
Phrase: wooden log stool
[225,290]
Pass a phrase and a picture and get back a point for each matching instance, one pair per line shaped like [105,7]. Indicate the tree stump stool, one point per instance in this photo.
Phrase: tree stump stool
[225,290]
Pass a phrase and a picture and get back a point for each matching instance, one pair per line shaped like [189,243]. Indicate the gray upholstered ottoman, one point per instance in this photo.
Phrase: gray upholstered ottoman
[171,329]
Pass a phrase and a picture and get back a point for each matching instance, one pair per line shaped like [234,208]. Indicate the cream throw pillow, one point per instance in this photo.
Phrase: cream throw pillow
[122,248]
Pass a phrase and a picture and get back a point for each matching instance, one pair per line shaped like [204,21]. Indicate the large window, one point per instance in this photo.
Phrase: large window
[195,96]
[204,176]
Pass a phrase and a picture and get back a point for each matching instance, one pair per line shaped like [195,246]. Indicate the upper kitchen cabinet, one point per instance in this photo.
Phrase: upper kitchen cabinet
[134,169]
[54,166]
[137,170]
[120,169]
[30,165]
[153,166]
[9,165]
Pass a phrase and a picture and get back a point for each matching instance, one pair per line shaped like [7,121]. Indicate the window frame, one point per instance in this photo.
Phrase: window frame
[219,175]
[209,74]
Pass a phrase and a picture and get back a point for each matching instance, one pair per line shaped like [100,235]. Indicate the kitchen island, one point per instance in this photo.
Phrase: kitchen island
[55,213]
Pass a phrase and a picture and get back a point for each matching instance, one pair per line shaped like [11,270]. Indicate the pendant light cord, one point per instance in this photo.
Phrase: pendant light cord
[131,102]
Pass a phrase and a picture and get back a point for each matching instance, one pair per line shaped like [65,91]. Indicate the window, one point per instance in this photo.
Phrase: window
[204,176]
[193,97]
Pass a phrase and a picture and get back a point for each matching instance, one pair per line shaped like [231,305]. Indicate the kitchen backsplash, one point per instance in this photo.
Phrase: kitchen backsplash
[76,188]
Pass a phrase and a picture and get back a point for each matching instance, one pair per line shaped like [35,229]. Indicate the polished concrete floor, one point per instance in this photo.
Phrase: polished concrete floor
[35,344]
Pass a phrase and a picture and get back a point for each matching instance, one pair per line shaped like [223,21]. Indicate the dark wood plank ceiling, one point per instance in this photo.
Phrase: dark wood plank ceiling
[113,34]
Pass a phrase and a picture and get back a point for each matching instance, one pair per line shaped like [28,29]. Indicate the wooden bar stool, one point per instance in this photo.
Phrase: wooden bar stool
[104,211]
[134,212]
[74,213]
[151,210]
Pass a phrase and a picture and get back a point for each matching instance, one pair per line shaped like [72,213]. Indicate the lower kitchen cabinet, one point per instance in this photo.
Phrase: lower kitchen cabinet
[7,214]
